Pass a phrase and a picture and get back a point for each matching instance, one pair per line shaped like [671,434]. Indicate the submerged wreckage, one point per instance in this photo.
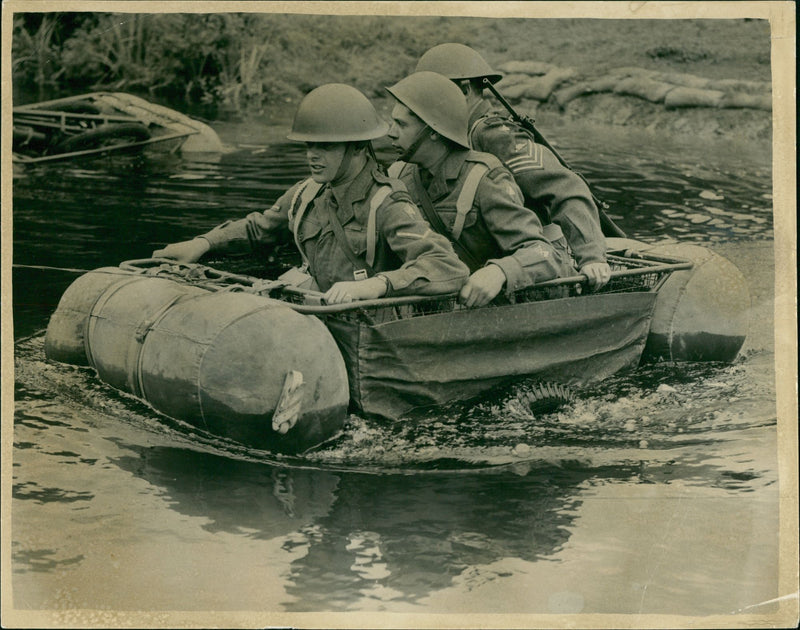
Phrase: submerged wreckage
[104,123]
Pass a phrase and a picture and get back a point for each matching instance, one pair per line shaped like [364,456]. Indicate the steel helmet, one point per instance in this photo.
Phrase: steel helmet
[437,101]
[336,113]
[457,61]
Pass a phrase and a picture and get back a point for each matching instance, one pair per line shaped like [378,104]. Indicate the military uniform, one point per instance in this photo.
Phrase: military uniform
[495,227]
[557,194]
[412,258]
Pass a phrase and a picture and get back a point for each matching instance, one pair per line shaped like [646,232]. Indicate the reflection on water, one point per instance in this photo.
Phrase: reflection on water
[411,532]
[480,507]
[257,500]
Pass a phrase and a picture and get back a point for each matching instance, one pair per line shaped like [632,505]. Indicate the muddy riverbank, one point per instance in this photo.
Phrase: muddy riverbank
[698,80]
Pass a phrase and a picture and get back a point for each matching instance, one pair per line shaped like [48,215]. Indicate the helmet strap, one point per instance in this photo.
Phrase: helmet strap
[344,165]
[415,145]
[371,153]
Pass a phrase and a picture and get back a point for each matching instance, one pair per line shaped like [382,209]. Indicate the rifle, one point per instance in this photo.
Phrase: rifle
[607,225]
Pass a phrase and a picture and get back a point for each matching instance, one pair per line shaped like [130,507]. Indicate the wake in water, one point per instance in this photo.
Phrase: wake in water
[644,414]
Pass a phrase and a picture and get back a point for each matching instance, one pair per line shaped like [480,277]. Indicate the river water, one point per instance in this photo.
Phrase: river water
[655,492]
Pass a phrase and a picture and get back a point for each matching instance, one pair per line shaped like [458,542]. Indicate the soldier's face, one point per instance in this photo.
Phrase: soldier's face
[324,159]
[405,127]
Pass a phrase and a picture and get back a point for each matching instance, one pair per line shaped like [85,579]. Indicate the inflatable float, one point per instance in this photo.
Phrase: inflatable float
[267,364]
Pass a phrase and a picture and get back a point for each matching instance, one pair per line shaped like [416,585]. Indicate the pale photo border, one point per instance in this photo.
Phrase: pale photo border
[782,19]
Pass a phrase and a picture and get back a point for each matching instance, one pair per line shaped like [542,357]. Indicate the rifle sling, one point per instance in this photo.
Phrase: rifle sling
[608,227]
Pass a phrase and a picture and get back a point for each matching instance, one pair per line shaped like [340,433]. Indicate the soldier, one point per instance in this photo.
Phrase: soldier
[556,193]
[468,196]
[358,231]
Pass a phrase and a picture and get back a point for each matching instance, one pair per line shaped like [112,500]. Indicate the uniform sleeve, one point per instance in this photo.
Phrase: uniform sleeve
[258,228]
[430,265]
[548,184]
[517,231]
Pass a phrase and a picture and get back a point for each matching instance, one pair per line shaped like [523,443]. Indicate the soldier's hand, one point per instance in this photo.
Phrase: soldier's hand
[185,251]
[344,292]
[482,286]
[598,273]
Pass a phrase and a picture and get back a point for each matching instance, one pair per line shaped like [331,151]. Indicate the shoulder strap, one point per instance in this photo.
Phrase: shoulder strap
[472,129]
[307,189]
[372,230]
[483,157]
[395,169]
[306,193]
[426,205]
[467,196]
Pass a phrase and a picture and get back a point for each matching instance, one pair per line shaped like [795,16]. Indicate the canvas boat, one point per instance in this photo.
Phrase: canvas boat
[268,364]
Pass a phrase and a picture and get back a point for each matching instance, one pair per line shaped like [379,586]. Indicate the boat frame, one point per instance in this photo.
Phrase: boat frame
[46,118]
[631,271]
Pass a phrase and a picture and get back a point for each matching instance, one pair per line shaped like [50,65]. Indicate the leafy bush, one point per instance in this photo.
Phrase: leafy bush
[244,62]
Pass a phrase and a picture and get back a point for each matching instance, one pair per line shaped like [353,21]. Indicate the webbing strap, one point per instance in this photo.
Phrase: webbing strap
[471,131]
[296,196]
[395,168]
[467,196]
[97,307]
[307,191]
[372,233]
[136,377]
[344,244]
[429,212]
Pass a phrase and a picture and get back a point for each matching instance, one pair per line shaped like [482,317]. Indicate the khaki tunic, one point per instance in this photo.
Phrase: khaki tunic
[497,229]
[556,193]
[414,259]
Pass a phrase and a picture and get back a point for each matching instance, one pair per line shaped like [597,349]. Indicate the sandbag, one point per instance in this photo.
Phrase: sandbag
[603,84]
[740,85]
[692,97]
[642,87]
[533,68]
[516,91]
[511,79]
[540,88]
[631,71]
[682,79]
[567,94]
[742,100]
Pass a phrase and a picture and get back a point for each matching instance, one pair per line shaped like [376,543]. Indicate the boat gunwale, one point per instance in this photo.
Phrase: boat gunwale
[661,265]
